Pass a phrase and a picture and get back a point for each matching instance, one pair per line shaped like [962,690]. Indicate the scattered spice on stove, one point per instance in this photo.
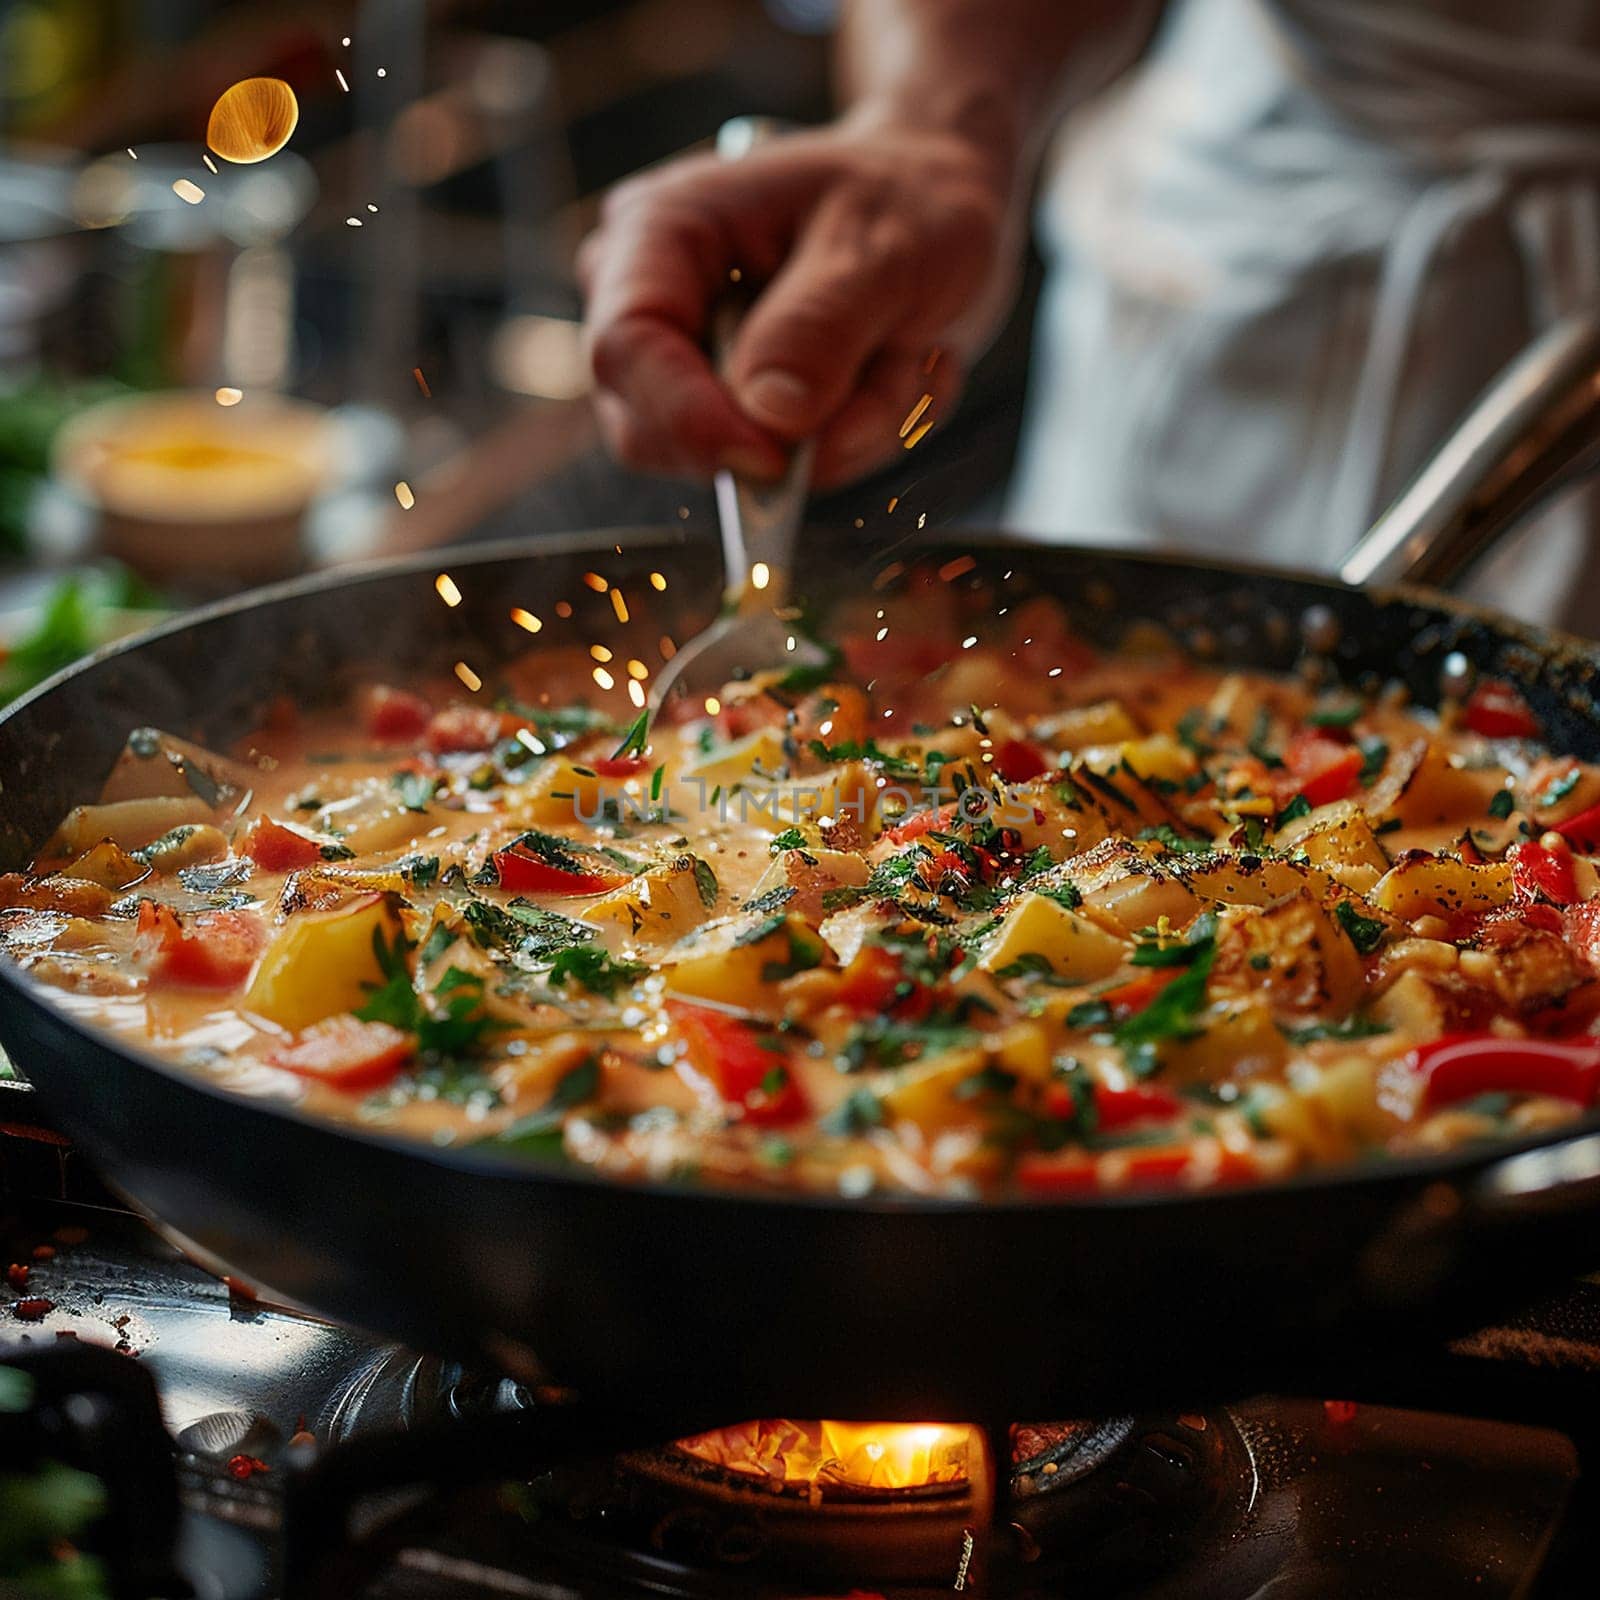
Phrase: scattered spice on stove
[1340,1413]
[34,1310]
[17,1275]
[244,1467]
[44,1252]
[70,1235]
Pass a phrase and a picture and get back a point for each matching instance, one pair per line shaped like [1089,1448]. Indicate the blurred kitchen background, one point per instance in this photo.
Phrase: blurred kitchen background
[367,343]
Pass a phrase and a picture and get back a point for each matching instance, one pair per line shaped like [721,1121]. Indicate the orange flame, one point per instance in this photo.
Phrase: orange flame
[860,1455]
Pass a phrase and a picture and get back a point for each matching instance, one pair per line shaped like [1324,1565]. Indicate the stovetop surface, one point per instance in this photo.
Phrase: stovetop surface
[1297,1499]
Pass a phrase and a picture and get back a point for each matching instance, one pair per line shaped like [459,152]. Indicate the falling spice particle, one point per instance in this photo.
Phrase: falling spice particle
[211,165]
[344,82]
[918,434]
[958,568]
[422,383]
[252,120]
[914,416]
[599,652]
[636,692]
[44,1252]
[468,677]
[383,72]
[596,582]
[17,1274]
[372,208]
[619,605]
[352,222]
[227,395]
[922,521]
[563,608]
[893,503]
[657,581]
[760,575]
[448,591]
[713,705]
[525,619]
[637,668]
[33,1310]
[189,192]
[970,640]
[402,493]
[604,678]
[243,1468]
[667,648]
[933,360]
[134,154]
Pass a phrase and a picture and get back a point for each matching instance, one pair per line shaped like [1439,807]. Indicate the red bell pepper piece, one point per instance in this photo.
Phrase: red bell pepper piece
[395,714]
[1120,1108]
[275,847]
[921,822]
[463,728]
[872,981]
[1460,1066]
[728,1052]
[1134,995]
[1581,924]
[1018,760]
[215,951]
[616,766]
[1320,768]
[1582,832]
[1538,870]
[1497,710]
[346,1052]
[520,872]
[1057,1172]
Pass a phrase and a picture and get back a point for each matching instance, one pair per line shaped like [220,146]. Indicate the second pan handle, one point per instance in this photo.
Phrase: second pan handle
[1534,430]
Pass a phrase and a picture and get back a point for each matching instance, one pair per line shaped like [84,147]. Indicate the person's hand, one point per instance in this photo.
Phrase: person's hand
[882,256]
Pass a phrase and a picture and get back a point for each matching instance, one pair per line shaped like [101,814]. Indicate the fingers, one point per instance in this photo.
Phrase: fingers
[902,395]
[652,274]
[840,297]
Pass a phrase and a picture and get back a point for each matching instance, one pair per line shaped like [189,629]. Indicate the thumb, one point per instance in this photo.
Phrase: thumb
[799,355]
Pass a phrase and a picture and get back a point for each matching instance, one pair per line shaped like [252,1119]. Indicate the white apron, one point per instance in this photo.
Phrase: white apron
[1287,250]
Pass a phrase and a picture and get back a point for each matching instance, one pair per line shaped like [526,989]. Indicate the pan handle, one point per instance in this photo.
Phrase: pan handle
[1534,430]
[1524,1209]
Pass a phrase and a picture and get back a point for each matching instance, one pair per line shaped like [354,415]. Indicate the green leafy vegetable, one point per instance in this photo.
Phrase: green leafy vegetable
[1502,803]
[1366,933]
[635,738]
[595,969]
[415,789]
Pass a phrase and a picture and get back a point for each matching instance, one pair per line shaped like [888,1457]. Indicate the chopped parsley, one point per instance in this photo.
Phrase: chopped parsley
[1366,933]
[789,839]
[635,738]
[416,789]
[861,1111]
[449,1021]
[1166,835]
[594,969]
[1502,803]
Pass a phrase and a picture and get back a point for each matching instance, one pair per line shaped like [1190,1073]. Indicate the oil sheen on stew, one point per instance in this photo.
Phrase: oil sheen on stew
[974,911]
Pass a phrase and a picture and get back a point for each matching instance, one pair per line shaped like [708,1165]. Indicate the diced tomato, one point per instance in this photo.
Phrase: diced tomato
[1497,710]
[215,951]
[745,713]
[1018,760]
[617,766]
[1162,1164]
[900,657]
[275,847]
[346,1052]
[1119,1108]
[871,980]
[1134,995]
[1461,1066]
[1582,832]
[729,1053]
[1320,768]
[523,873]
[462,728]
[394,714]
[1539,870]
[921,822]
[1058,1172]
[1581,924]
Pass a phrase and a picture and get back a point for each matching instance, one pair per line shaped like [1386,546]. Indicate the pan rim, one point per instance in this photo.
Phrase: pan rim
[1467,1163]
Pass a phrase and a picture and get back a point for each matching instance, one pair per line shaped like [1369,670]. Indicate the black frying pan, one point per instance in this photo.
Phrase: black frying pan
[732,1305]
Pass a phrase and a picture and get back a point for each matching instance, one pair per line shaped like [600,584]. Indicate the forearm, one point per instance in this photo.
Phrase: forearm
[989,70]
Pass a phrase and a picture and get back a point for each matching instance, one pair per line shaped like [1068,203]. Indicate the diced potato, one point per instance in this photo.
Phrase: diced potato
[1049,812]
[1127,804]
[1105,722]
[322,963]
[128,823]
[758,755]
[730,967]
[527,1081]
[1311,1124]
[1414,1005]
[1239,700]
[926,1091]
[1160,757]
[1423,788]
[808,874]
[373,818]
[1339,839]
[1122,884]
[663,903]
[1422,885]
[109,865]
[1240,1041]
[155,763]
[185,846]
[1292,954]
[846,931]
[1075,948]
[1242,879]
